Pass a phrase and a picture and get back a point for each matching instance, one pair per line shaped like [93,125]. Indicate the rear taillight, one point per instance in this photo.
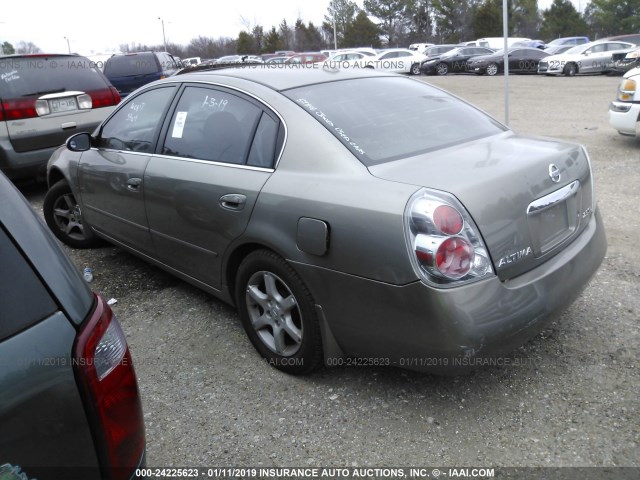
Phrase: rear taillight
[444,244]
[19,108]
[106,97]
[105,373]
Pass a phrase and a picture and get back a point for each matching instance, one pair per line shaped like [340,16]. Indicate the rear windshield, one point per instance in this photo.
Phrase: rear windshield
[384,119]
[125,65]
[36,76]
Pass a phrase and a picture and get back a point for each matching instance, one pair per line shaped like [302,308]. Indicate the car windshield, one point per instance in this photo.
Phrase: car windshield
[384,119]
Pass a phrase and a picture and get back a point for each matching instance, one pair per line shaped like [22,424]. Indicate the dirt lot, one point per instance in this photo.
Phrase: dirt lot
[569,397]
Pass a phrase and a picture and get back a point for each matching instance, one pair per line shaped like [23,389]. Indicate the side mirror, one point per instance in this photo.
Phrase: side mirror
[80,142]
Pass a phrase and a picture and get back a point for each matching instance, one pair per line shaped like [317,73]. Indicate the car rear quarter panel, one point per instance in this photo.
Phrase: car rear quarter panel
[318,178]
[42,419]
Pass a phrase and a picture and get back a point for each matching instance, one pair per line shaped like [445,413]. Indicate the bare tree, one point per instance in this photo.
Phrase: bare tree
[27,47]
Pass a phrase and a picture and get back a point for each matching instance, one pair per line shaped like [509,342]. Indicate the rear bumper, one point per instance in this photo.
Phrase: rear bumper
[625,117]
[449,330]
[33,162]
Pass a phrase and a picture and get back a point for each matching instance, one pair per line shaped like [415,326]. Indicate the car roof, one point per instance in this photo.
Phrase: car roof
[41,55]
[282,77]
[533,49]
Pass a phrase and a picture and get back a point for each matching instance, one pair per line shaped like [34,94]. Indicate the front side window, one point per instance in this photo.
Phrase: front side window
[383,119]
[211,124]
[134,126]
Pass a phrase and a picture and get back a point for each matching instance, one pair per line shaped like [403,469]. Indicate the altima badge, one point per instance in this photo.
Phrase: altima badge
[554,173]
[514,257]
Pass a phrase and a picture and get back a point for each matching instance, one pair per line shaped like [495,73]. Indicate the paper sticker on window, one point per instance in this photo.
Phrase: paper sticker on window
[178,126]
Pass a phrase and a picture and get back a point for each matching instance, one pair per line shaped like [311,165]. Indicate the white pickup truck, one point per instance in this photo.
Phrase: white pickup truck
[624,112]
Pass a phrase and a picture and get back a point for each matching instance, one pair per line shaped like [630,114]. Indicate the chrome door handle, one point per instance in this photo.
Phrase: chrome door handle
[233,201]
[133,184]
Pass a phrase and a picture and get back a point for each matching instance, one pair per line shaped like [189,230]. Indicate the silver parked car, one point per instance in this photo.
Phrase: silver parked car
[347,214]
[594,57]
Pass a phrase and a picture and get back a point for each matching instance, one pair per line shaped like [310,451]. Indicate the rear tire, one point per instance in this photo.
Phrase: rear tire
[278,313]
[64,217]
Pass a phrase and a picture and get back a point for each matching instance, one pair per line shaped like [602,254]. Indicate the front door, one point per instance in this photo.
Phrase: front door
[111,175]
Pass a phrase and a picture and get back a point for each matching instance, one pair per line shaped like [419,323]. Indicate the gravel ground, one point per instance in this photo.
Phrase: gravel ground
[567,398]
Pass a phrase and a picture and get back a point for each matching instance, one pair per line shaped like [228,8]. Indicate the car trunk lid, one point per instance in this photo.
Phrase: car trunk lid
[528,196]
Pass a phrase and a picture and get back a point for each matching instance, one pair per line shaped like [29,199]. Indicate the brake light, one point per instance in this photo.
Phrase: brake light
[106,97]
[19,108]
[445,246]
[105,373]
[447,219]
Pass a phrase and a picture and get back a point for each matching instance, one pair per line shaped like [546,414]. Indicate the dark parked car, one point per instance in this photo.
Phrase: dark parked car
[521,60]
[43,100]
[346,213]
[130,71]
[453,61]
[69,402]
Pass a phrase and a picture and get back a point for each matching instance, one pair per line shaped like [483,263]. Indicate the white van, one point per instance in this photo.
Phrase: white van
[497,43]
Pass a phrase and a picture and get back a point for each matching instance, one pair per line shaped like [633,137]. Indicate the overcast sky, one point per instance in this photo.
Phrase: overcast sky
[103,27]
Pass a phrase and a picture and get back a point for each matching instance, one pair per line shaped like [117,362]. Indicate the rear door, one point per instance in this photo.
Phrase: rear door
[111,175]
[218,150]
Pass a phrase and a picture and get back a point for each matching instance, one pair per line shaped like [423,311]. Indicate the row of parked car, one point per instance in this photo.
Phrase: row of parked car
[556,59]
[195,173]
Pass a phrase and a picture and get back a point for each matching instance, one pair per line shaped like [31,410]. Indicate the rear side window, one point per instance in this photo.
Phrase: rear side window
[211,124]
[36,76]
[129,65]
[384,119]
[24,300]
